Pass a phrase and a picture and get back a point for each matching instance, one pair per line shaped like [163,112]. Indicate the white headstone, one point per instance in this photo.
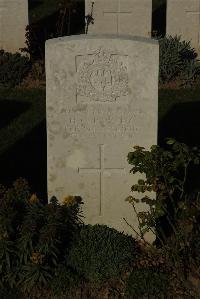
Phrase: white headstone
[131,17]
[102,99]
[13,22]
[183,18]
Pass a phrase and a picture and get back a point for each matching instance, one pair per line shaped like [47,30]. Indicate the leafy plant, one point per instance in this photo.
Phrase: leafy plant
[64,280]
[100,252]
[178,60]
[34,238]
[167,172]
[148,282]
[38,70]
[13,68]
[10,293]
[191,73]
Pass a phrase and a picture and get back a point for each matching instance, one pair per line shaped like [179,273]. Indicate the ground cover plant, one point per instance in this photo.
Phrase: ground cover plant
[34,238]
[43,248]
[101,253]
[153,283]
[178,61]
[174,211]
[14,68]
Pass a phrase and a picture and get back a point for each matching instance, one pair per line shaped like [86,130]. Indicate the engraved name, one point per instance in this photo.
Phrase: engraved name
[100,122]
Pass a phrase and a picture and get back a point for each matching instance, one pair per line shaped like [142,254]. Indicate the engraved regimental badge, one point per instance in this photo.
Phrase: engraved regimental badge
[102,77]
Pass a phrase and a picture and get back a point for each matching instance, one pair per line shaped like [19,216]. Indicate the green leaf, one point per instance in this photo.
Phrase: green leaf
[170,141]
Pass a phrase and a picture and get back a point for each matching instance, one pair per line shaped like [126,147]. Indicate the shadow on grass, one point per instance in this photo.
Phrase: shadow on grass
[10,110]
[27,159]
[182,122]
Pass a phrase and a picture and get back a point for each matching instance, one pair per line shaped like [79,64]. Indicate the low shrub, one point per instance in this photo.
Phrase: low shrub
[34,238]
[65,279]
[36,77]
[100,253]
[13,68]
[178,60]
[174,210]
[147,282]
[195,246]
[10,293]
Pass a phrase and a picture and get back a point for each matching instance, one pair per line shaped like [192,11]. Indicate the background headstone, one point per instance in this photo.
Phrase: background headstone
[183,18]
[13,22]
[131,17]
[102,99]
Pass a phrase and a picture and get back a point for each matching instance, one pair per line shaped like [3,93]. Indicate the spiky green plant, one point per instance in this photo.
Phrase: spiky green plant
[178,60]
[34,238]
[100,252]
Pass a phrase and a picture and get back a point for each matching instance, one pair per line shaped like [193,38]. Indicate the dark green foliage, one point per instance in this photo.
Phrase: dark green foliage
[64,280]
[100,252]
[191,72]
[195,244]
[13,68]
[10,293]
[34,238]
[178,60]
[148,282]
[174,210]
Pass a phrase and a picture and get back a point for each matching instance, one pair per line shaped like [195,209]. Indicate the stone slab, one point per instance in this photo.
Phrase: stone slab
[183,18]
[13,22]
[102,99]
[132,17]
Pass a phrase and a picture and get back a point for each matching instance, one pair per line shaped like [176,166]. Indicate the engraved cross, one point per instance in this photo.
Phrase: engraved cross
[118,13]
[196,13]
[101,171]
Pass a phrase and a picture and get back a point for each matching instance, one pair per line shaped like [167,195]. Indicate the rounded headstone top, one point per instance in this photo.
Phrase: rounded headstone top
[103,36]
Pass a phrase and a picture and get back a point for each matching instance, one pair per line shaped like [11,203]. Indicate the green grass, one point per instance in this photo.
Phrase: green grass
[179,116]
[21,125]
[10,110]
[168,98]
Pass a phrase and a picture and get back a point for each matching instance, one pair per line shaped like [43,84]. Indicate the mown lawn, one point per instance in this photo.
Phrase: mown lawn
[23,137]
[20,112]
[179,115]
[23,147]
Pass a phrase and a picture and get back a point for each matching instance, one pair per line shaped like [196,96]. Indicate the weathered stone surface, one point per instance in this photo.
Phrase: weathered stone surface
[13,22]
[102,98]
[120,17]
[183,18]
